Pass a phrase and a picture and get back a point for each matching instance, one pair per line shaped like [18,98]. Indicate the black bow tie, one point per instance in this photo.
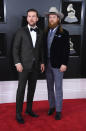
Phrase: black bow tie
[34,29]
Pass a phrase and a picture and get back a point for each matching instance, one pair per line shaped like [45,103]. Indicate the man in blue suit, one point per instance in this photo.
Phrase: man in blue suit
[56,53]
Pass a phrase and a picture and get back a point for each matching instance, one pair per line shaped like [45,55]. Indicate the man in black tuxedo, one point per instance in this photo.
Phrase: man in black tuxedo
[28,57]
[57,53]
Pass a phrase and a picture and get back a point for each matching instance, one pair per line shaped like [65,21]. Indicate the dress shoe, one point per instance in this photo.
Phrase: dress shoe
[19,119]
[51,111]
[31,113]
[58,116]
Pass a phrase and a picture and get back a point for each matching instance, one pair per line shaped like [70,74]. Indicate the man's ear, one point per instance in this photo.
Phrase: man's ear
[37,18]
[27,19]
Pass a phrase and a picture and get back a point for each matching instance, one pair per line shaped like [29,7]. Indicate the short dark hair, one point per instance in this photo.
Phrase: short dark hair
[34,10]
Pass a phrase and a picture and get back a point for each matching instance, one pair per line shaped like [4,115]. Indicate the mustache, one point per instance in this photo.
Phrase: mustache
[52,25]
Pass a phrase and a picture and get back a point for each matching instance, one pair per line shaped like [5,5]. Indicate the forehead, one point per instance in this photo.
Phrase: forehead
[32,13]
[53,15]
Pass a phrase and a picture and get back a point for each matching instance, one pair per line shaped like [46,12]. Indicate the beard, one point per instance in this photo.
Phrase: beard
[32,24]
[53,25]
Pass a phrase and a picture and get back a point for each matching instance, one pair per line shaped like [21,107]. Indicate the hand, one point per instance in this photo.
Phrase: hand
[42,67]
[63,68]
[19,67]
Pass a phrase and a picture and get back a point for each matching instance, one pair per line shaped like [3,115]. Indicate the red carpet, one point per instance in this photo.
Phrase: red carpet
[73,117]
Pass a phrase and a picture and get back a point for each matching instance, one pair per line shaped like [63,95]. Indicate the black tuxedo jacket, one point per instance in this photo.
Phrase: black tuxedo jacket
[59,51]
[23,50]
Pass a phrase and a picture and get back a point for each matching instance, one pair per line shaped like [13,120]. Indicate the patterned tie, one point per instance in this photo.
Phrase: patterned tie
[51,32]
[49,40]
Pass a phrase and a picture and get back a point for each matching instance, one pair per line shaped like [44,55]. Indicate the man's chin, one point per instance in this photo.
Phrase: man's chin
[32,24]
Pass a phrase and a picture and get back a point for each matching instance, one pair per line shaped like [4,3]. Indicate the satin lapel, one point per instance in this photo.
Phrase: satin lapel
[57,31]
[29,36]
[37,38]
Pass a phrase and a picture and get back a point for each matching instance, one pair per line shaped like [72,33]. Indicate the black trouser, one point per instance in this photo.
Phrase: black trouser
[25,76]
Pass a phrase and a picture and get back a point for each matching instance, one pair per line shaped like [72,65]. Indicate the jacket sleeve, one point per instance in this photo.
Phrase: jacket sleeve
[66,48]
[42,49]
[16,47]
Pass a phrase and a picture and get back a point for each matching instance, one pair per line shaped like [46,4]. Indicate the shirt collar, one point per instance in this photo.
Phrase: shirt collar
[31,26]
[55,28]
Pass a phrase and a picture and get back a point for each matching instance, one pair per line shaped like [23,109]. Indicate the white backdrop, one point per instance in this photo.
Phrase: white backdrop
[72,89]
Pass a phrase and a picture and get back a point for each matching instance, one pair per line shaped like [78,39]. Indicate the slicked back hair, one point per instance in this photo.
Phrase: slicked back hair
[32,10]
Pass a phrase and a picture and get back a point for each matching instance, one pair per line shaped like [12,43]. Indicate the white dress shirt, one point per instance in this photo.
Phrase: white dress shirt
[33,35]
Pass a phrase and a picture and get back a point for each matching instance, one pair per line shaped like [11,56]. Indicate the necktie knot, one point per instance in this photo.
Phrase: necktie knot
[34,29]
[51,32]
